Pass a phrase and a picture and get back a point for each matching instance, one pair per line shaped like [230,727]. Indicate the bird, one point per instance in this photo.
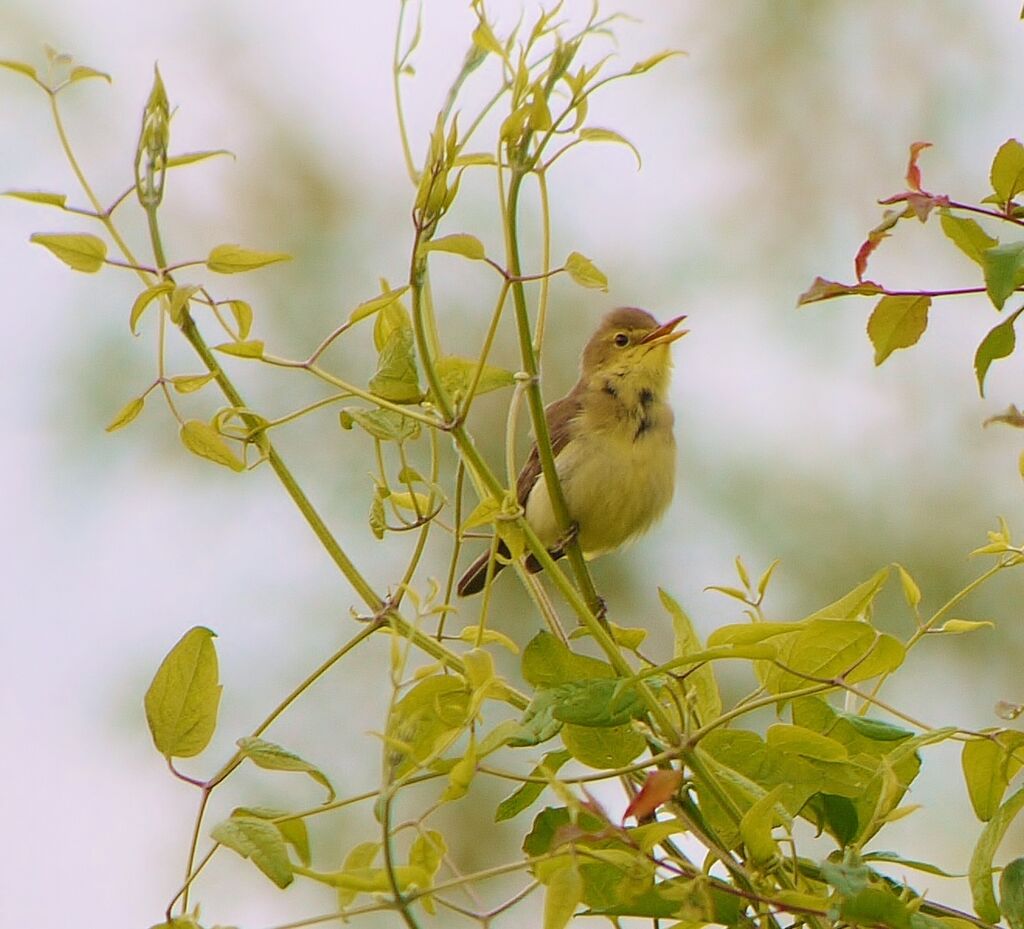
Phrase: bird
[613,445]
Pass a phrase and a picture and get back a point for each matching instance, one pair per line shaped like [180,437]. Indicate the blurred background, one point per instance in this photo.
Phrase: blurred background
[764,152]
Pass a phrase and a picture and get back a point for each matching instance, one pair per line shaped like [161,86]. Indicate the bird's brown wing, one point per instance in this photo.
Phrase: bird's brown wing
[560,416]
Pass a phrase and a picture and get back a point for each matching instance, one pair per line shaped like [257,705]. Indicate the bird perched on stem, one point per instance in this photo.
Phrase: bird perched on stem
[611,436]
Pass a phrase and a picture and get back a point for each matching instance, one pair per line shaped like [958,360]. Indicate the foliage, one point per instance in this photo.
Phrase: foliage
[838,756]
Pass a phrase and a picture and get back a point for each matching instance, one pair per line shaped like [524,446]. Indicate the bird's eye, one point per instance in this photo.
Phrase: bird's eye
[622,340]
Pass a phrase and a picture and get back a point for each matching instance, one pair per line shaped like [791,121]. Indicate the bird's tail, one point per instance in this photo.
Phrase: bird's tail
[472,581]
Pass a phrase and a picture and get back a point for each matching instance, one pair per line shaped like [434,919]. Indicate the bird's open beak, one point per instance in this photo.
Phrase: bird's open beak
[665,333]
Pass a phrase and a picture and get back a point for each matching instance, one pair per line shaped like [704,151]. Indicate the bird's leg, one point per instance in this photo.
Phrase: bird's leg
[572,533]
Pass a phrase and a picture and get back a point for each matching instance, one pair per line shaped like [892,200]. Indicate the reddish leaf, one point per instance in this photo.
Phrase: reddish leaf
[823,289]
[660,786]
[923,204]
[913,171]
[860,263]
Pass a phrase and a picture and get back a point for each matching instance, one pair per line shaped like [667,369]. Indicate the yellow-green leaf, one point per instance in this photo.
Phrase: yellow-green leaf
[396,378]
[642,66]
[38,196]
[273,757]
[187,158]
[469,246]
[988,765]
[242,312]
[897,322]
[757,823]
[484,38]
[181,702]
[190,383]
[260,841]
[415,502]
[178,301]
[1007,172]
[594,134]
[79,251]
[456,375]
[478,637]
[127,413]
[203,440]
[999,343]
[21,68]
[700,684]
[82,73]
[233,259]
[1003,266]
[962,626]
[584,272]
[369,307]
[246,349]
[911,592]
[484,513]
[966,235]
[144,299]
[563,895]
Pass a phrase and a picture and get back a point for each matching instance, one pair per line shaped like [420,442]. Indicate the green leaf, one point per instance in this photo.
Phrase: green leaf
[1007,172]
[875,906]
[190,383]
[248,349]
[82,73]
[143,300]
[391,315]
[999,343]
[433,711]
[369,307]
[803,741]
[396,378]
[260,841]
[547,662]
[233,259]
[757,823]
[603,748]
[273,757]
[427,852]
[602,702]
[38,196]
[525,795]
[460,243]
[822,289]
[897,322]
[1003,265]
[857,602]
[203,440]
[894,858]
[980,871]
[963,626]
[988,765]
[966,235]
[563,895]
[243,317]
[181,702]
[386,425]
[79,251]
[187,158]
[1011,893]
[360,858]
[457,375]
[127,413]
[485,39]
[699,685]
[292,830]
[585,273]
[822,649]
[594,134]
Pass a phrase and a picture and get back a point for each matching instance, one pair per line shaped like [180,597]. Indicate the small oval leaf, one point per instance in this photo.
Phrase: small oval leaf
[143,300]
[246,349]
[203,440]
[233,259]
[460,243]
[127,413]
[79,251]
[584,272]
[181,702]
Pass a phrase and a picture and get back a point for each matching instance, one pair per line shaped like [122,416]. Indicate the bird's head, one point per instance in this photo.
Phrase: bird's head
[631,348]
